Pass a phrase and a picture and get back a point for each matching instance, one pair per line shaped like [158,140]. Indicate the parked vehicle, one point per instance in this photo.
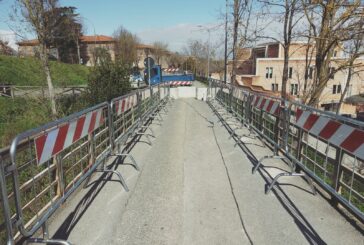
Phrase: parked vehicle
[136,81]
[182,79]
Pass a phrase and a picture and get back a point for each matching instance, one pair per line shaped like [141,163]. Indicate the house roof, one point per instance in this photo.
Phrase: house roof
[97,38]
[85,39]
[144,46]
[355,99]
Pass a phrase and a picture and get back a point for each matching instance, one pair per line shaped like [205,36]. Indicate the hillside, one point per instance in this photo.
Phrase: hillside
[28,72]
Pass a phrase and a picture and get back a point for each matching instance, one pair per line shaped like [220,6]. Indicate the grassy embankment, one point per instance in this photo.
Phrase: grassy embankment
[21,114]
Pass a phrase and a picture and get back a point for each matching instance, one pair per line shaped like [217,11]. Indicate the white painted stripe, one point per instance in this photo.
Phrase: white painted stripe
[266,105]
[48,146]
[98,118]
[274,107]
[260,101]
[70,134]
[360,152]
[319,125]
[303,118]
[341,134]
[86,125]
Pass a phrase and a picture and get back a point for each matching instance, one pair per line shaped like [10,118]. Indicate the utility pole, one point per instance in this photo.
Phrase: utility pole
[208,55]
[225,60]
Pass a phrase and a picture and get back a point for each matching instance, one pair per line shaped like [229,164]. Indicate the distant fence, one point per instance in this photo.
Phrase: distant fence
[44,166]
[13,91]
[328,148]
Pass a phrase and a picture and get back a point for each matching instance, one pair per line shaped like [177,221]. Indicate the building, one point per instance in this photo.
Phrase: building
[260,69]
[88,44]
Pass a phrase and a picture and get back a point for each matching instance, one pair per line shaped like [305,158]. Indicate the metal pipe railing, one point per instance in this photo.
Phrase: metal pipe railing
[46,165]
[329,148]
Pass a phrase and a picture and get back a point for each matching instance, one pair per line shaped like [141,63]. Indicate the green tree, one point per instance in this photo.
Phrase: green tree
[108,80]
[66,33]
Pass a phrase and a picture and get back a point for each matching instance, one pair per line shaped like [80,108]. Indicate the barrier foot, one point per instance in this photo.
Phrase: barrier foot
[123,183]
[134,164]
[264,158]
[151,130]
[291,175]
[147,136]
[233,131]
[46,241]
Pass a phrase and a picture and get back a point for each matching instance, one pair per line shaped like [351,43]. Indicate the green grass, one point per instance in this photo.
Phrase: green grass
[21,114]
[28,72]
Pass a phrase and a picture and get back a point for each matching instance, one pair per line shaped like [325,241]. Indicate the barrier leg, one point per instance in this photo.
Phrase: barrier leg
[134,164]
[264,158]
[291,175]
[45,239]
[117,174]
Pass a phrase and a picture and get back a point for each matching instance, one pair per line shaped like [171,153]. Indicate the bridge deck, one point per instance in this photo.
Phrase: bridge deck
[195,187]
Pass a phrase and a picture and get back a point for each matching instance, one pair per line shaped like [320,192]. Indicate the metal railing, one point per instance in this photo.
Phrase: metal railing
[44,166]
[328,148]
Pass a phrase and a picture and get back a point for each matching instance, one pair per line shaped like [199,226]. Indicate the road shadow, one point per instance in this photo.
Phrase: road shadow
[96,186]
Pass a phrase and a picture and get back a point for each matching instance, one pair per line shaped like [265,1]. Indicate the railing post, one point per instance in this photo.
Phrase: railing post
[110,116]
[59,173]
[5,204]
[231,90]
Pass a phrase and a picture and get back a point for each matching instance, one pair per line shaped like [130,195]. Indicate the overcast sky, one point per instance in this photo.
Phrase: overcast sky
[173,22]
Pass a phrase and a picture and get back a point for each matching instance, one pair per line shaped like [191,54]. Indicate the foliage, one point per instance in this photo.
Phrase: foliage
[66,33]
[28,72]
[108,80]
[21,114]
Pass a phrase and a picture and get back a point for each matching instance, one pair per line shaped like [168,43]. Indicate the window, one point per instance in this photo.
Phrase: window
[270,72]
[267,72]
[331,73]
[336,89]
[309,73]
[294,89]
[335,53]
[290,71]
[274,86]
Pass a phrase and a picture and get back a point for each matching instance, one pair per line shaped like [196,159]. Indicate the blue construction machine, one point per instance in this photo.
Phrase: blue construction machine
[174,76]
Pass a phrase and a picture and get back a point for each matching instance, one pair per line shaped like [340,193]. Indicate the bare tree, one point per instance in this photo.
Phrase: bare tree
[159,51]
[286,12]
[354,48]
[126,46]
[333,22]
[36,14]
[198,50]
[242,11]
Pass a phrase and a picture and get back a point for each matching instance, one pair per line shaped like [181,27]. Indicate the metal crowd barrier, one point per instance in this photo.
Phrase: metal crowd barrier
[328,148]
[44,166]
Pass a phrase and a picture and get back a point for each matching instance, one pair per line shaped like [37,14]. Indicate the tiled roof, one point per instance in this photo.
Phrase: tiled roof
[86,39]
[97,38]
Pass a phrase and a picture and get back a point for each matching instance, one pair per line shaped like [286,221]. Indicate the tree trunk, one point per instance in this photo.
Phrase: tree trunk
[47,72]
[285,73]
[348,79]
[78,51]
[235,38]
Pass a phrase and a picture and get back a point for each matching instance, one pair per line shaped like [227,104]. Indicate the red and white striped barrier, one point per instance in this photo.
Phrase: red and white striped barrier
[266,105]
[58,139]
[180,83]
[125,104]
[336,133]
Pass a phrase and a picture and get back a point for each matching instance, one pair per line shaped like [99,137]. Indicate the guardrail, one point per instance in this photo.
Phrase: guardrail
[44,166]
[328,148]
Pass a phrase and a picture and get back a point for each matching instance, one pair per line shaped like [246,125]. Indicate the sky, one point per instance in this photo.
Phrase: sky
[171,21]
